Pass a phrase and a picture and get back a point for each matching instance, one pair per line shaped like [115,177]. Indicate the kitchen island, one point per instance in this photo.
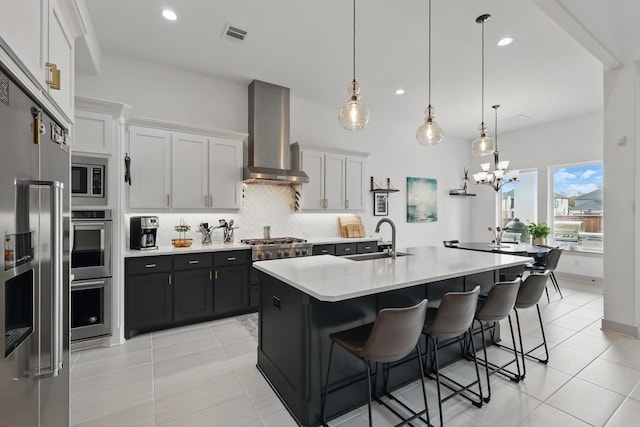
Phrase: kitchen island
[303,300]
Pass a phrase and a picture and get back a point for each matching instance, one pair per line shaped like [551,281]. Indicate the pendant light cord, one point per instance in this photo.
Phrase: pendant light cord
[482,74]
[354,40]
[429,57]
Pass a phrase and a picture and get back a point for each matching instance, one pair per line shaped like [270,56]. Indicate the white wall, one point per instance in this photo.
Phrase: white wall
[570,141]
[171,94]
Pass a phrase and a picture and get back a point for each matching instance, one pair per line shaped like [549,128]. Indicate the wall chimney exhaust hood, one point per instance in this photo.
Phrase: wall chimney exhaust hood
[269,158]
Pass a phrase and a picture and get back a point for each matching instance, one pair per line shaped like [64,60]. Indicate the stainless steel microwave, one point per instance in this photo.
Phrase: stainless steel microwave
[87,180]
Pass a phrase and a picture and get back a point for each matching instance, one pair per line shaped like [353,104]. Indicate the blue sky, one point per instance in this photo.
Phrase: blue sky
[575,180]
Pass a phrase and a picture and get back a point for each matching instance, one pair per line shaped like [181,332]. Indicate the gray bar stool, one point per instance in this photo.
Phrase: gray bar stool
[529,295]
[492,308]
[452,319]
[550,263]
[393,335]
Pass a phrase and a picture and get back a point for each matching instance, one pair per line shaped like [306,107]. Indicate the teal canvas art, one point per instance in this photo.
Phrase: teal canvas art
[422,199]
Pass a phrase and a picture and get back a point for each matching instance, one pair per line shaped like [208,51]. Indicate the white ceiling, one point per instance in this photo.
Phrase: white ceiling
[545,75]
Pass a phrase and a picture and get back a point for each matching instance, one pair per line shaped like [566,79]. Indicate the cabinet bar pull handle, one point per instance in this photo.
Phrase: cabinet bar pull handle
[367,247]
[210,201]
[206,201]
[170,279]
[347,249]
[346,203]
[168,201]
[210,275]
[149,265]
[324,251]
[231,258]
[194,261]
[54,76]
[216,275]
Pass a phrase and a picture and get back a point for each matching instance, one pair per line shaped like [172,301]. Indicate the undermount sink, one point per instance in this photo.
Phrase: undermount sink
[376,255]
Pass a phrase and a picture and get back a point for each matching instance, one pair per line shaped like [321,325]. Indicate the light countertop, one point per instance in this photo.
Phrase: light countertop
[195,247]
[338,240]
[331,278]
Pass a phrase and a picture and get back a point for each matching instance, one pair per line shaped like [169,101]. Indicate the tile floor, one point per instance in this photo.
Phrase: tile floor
[205,375]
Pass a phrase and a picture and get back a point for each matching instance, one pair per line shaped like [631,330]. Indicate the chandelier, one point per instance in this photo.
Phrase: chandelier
[500,174]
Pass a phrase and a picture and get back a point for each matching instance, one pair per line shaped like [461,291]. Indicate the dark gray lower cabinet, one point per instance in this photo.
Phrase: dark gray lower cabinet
[149,300]
[231,284]
[230,289]
[148,293]
[192,294]
[167,291]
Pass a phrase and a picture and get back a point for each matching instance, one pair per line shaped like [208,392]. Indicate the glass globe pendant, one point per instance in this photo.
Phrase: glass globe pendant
[354,114]
[483,145]
[429,133]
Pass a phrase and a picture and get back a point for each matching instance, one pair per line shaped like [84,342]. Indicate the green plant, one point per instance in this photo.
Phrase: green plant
[540,230]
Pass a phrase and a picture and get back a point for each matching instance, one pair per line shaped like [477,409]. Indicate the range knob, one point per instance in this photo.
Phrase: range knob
[279,254]
[305,252]
[261,255]
[269,255]
[287,254]
[298,252]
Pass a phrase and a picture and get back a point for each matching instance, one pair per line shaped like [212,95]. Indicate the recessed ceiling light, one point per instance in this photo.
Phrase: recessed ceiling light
[169,15]
[505,41]
[399,91]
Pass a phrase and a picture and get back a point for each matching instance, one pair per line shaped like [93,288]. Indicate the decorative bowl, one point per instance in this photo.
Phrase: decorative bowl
[181,243]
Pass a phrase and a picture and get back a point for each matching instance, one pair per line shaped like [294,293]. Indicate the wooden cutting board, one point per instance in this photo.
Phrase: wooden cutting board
[350,226]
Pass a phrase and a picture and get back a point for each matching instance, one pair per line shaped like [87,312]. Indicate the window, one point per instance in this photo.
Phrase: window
[577,205]
[519,199]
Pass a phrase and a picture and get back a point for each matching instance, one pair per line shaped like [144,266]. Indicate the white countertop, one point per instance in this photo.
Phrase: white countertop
[338,240]
[196,247]
[331,278]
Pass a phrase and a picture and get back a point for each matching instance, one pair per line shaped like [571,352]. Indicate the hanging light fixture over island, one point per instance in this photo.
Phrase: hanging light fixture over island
[354,114]
[429,133]
[500,174]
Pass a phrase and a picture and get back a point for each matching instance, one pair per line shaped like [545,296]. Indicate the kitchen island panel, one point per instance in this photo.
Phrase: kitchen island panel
[304,300]
[293,350]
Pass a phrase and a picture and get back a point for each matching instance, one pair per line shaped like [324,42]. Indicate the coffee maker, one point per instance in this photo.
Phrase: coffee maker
[143,231]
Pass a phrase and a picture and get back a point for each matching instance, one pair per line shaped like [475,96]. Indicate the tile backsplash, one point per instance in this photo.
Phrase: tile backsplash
[262,205]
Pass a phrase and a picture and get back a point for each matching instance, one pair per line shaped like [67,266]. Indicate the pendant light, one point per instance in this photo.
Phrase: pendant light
[500,174]
[354,115]
[483,145]
[429,133]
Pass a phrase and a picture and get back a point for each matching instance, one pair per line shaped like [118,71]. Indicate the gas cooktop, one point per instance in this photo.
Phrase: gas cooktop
[273,241]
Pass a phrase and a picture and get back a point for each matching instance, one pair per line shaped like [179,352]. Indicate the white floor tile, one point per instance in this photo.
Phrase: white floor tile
[611,376]
[627,414]
[588,402]
[205,375]
[548,416]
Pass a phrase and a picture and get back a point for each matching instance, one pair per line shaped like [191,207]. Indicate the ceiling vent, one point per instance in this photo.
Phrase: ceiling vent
[234,34]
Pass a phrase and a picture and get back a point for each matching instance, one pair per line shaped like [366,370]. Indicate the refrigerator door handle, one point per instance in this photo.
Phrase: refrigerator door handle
[57,336]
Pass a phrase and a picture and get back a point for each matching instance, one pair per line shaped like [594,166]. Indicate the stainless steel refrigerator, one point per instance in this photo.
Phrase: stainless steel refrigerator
[34,298]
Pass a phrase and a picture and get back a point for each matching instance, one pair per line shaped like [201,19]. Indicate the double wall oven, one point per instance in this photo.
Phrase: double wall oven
[91,270]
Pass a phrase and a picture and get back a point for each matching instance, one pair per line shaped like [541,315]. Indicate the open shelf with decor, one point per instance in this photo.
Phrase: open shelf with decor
[384,188]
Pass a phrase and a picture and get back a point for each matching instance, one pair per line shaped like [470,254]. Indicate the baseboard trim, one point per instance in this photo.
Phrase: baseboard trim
[570,276]
[621,328]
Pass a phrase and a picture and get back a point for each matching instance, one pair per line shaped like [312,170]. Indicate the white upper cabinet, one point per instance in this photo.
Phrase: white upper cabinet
[183,170]
[59,64]
[355,183]
[225,173]
[38,37]
[23,27]
[336,179]
[150,152]
[312,163]
[189,171]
